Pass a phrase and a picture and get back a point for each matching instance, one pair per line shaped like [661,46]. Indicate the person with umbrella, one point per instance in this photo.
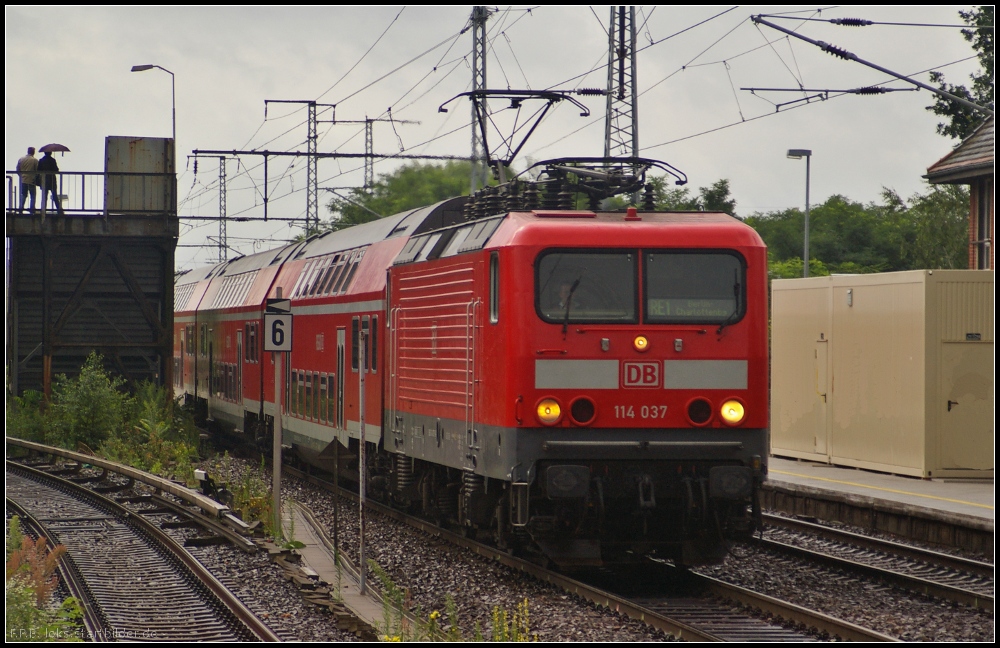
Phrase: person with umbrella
[48,168]
[26,168]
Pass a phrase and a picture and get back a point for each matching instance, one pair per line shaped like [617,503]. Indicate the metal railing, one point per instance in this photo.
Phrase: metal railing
[85,193]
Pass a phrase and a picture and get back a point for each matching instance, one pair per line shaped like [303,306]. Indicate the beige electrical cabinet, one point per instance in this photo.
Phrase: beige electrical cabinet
[891,372]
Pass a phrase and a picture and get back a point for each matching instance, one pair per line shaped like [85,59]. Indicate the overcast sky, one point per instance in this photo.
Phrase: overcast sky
[68,80]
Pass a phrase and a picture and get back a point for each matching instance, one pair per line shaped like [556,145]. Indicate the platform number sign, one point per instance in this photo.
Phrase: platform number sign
[278,325]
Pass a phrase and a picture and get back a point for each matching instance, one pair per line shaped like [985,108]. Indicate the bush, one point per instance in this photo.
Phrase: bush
[30,581]
[148,431]
[89,408]
[158,437]
[25,417]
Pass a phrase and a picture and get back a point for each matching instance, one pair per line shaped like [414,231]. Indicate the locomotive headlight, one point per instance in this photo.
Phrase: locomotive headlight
[640,343]
[732,412]
[548,411]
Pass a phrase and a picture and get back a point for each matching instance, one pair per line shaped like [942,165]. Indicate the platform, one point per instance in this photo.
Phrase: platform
[964,497]
[317,554]
[949,513]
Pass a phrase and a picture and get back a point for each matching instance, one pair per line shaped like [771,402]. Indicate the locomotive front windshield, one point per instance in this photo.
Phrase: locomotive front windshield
[693,287]
[587,287]
[678,286]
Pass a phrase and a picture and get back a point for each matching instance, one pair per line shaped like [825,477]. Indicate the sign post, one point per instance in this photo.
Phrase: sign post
[277,340]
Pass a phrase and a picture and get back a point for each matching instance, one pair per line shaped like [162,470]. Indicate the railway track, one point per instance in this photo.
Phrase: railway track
[951,578]
[707,618]
[137,582]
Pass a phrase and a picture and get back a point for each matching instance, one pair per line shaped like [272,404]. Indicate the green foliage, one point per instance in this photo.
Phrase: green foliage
[15,536]
[163,441]
[713,198]
[26,621]
[792,268]
[30,581]
[392,626]
[252,498]
[926,231]
[89,408]
[395,626]
[940,220]
[961,119]
[26,418]
[148,431]
[516,628]
[410,186]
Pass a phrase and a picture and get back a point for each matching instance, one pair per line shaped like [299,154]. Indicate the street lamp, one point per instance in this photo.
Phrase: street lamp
[173,94]
[798,154]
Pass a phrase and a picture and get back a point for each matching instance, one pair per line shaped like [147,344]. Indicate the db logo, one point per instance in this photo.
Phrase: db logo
[641,374]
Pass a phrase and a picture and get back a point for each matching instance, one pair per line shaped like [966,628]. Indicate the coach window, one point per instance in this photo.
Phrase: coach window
[587,286]
[355,342]
[254,344]
[323,398]
[374,342]
[494,288]
[203,340]
[702,287]
[368,342]
[332,403]
[314,410]
[307,398]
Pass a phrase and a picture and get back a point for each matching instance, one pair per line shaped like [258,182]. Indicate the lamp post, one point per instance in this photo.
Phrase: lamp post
[798,154]
[173,94]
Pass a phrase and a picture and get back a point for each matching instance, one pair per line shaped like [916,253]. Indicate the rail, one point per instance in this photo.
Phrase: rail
[104,194]
[209,507]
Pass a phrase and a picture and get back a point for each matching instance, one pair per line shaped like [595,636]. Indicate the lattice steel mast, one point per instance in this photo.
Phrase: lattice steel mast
[480,164]
[621,123]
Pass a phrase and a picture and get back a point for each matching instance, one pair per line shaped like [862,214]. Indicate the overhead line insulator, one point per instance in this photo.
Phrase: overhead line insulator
[836,51]
[852,22]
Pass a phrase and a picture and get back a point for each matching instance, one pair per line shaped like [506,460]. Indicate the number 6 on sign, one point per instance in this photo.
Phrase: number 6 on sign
[277,332]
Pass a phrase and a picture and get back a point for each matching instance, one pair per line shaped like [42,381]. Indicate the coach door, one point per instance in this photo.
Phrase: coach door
[183,361]
[239,367]
[472,396]
[339,378]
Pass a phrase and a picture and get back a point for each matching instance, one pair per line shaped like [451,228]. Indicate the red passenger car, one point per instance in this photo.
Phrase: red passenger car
[590,384]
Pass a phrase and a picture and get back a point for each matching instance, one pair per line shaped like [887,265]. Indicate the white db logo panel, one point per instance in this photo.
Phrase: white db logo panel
[641,374]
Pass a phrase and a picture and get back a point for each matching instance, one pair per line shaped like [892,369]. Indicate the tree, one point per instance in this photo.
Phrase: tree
[940,222]
[925,231]
[714,197]
[410,186]
[962,120]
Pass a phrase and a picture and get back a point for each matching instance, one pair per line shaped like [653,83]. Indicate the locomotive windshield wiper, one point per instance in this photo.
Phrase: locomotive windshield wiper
[736,310]
[569,304]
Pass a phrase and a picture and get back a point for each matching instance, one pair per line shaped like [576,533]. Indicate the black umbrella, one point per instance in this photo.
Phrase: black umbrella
[53,148]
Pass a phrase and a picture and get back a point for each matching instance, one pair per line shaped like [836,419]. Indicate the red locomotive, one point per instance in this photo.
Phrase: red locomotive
[593,385]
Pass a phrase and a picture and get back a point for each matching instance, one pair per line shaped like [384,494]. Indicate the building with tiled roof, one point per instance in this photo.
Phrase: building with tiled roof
[972,163]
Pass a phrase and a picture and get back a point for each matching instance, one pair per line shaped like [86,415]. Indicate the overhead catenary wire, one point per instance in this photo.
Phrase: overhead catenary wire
[860,22]
[771,114]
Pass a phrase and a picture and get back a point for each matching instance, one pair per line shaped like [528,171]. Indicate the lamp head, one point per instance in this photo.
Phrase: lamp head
[798,154]
[142,68]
